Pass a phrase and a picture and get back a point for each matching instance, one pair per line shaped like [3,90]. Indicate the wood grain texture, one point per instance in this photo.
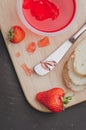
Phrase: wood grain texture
[34,84]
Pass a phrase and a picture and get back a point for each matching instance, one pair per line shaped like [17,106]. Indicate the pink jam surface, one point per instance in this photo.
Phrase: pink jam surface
[49,15]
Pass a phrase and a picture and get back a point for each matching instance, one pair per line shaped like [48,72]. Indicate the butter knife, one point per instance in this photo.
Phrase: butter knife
[50,62]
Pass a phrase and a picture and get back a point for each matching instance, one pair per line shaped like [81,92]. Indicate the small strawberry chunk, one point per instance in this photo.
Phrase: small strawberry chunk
[27,70]
[43,42]
[18,54]
[31,47]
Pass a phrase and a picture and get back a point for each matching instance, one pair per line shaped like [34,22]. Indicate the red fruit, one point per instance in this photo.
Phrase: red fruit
[31,47]
[27,70]
[43,42]
[53,99]
[18,54]
[16,34]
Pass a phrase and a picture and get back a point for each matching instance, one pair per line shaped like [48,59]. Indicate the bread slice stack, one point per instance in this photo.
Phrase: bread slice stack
[74,71]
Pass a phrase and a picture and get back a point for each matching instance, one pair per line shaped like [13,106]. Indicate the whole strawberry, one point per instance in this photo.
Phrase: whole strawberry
[54,99]
[16,34]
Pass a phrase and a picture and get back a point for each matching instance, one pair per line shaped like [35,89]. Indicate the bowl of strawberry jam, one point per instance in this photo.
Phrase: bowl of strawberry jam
[47,17]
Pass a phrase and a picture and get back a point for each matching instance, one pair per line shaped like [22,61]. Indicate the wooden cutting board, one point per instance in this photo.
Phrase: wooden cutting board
[34,84]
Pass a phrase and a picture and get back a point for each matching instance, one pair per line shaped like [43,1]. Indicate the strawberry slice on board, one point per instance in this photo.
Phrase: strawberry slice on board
[31,47]
[43,42]
[28,71]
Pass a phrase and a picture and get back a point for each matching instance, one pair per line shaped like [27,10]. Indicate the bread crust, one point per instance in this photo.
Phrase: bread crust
[68,82]
[81,48]
[73,76]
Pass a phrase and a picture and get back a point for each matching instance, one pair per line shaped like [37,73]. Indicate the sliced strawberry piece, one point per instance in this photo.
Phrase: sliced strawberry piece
[31,47]
[18,54]
[27,70]
[43,42]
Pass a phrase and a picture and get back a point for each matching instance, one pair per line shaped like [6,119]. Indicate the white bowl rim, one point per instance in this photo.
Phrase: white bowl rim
[24,21]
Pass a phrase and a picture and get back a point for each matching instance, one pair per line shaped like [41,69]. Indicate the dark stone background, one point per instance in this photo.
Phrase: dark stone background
[17,114]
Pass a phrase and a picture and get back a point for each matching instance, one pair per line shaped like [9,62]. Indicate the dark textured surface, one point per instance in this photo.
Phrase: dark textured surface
[17,114]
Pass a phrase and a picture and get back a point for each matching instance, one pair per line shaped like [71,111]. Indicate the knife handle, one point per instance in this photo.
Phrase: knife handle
[78,33]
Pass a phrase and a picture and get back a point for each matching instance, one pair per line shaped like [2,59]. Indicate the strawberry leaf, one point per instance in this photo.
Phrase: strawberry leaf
[67,99]
[10,34]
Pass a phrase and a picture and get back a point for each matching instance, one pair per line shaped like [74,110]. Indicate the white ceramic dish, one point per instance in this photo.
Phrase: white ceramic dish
[24,21]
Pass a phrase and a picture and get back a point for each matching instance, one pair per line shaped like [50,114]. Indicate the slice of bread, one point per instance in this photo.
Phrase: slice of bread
[73,76]
[68,82]
[80,58]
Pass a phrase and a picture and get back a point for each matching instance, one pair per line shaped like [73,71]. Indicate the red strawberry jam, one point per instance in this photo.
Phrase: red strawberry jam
[49,15]
[41,9]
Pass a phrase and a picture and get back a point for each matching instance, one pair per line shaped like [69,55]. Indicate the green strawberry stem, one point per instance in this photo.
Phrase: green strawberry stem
[66,100]
[10,34]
